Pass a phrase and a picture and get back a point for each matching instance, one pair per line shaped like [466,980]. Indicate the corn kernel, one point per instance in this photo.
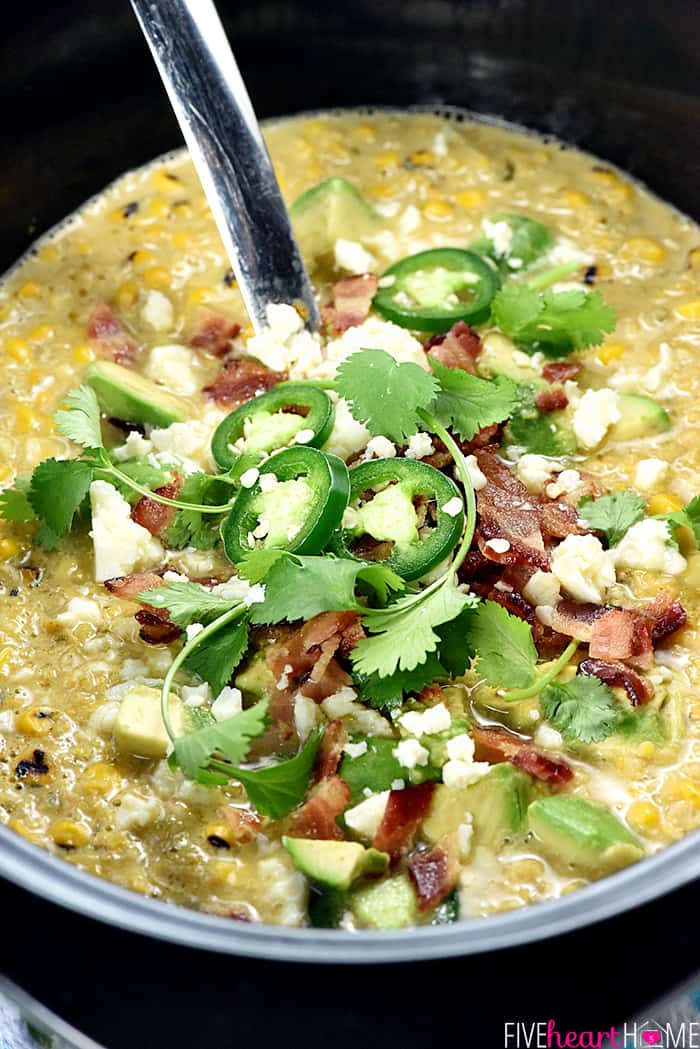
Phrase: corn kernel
[664,503]
[26,419]
[694,259]
[220,835]
[439,210]
[198,296]
[142,257]
[157,277]
[471,198]
[610,351]
[365,133]
[183,209]
[574,199]
[165,181]
[100,778]
[29,290]
[423,157]
[49,253]
[17,349]
[126,295]
[84,247]
[681,789]
[645,248]
[25,831]
[643,815]
[41,333]
[647,749]
[34,721]
[69,834]
[83,353]
[158,208]
[691,310]
[5,656]
[390,159]
[8,548]
[606,176]
[181,239]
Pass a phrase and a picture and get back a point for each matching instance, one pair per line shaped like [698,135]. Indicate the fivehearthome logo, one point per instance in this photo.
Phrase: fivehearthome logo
[649,1034]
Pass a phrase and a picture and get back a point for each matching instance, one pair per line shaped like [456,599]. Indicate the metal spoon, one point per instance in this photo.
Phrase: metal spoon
[212,106]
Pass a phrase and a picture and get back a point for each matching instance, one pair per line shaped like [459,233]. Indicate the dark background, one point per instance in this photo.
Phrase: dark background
[80,104]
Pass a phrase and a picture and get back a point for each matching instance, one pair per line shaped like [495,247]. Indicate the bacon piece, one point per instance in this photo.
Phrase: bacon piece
[576,620]
[129,586]
[215,334]
[405,811]
[156,628]
[317,816]
[107,331]
[434,874]
[506,511]
[559,519]
[560,371]
[241,379]
[539,766]
[638,690]
[311,651]
[622,634]
[514,602]
[457,348]
[552,400]
[665,615]
[497,745]
[244,824]
[352,298]
[155,516]
[331,751]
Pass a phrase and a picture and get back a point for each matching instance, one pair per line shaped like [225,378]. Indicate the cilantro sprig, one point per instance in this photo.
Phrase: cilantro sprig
[688,517]
[553,323]
[583,710]
[612,514]
[384,395]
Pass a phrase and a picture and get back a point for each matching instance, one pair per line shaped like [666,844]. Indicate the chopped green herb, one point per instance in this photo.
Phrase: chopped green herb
[384,395]
[216,659]
[583,710]
[467,404]
[554,323]
[506,652]
[613,514]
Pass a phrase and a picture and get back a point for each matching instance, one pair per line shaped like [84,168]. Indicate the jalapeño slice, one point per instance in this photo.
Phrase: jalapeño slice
[397,514]
[432,290]
[296,504]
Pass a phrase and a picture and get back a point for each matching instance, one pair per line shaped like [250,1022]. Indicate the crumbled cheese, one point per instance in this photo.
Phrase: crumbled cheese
[382,335]
[187,445]
[284,345]
[365,819]
[351,256]
[536,470]
[195,695]
[499,546]
[419,446]
[380,448]
[548,737]
[461,747]
[477,478]
[227,704]
[465,834]
[7,720]
[542,588]
[584,569]
[409,221]
[457,774]
[158,311]
[427,723]
[121,545]
[350,517]
[135,447]
[501,236]
[545,614]
[355,750]
[305,716]
[359,719]
[102,719]
[239,589]
[136,811]
[410,753]
[565,483]
[453,506]
[593,416]
[268,481]
[654,380]
[80,610]
[175,367]
[647,545]
[440,144]
[347,436]
[249,477]
[304,436]
[174,577]
[286,890]
[649,473]
[193,630]
[563,252]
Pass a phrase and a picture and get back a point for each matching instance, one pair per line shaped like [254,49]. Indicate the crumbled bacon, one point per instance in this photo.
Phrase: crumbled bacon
[541,767]
[497,745]
[638,690]
[457,348]
[107,331]
[560,371]
[155,516]
[214,334]
[576,620]
[507,512]
[128,587]
[405,811]
[352,298]
[156,628]
[622,634]
[488,437]
[434,874]
[552,400]
[559,519]
[240,379]
[245,825]
[513,602]
[665,615]
[331,751]
[317,816]
[310,650]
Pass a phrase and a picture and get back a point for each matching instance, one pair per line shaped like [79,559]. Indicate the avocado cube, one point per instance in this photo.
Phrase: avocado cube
[335,864]
[576,833]
[497,804]
[387,904]
[331,210]
[139,729]
[640,416]
[256,680]
[124,394]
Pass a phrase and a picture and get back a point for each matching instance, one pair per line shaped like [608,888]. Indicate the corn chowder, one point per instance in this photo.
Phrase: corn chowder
[393,623]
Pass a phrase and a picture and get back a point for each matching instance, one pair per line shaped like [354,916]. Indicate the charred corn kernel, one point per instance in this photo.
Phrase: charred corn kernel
[83,353]
[694,259]
[18,349]
[29,290]
[647,749]
[422,157]
[365,133]
[158,207]
[126,295]
[574,199]
[645,248]
[26,419]
[100,778]
[183,209]
[40,333]
[220,835]
[437,209]
[49,253]
[664,503]
[69,834]
[610,351]
[157,277]
[142,257]
[471,198]
[164,181]
[691,310]
[390,159]
[24,830]
[9,547]
[198,296]
[34,721]
[643,815]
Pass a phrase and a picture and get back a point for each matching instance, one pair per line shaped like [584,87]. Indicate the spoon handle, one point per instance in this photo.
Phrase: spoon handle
[216,117]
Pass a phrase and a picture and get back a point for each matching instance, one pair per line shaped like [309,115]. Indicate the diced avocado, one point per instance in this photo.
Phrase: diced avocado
[497,804]
[579,834]
[124,394]
[640,416]
[335,864]
[542,433]
[326,907]
[139,728]
[387,904]
[331,210]
[521,715]
[496,358]
[257,680]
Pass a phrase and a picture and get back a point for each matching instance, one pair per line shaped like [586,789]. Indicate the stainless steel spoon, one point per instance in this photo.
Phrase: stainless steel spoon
[212,106]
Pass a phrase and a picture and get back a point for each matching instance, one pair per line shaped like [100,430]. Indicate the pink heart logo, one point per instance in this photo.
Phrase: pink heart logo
[652,1037]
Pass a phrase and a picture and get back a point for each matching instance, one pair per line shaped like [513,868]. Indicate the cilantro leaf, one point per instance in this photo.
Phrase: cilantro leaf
[503,643]
[139,470]
[613,514]
[258,563]
[555,323]
[583,710]
[537,431]
[455,650]
[466,403]
[384,395]
[57,488]
[14,502]
[374,770]
[187,602]
[388,692]
[190,527]
[80,420]
[302,587]
[46,538]
[274,790]
[688,517]
[216,658]
[405,633]
[227,740]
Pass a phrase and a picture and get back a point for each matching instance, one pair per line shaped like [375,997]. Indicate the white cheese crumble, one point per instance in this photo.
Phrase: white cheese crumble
[647,545]
[351,256]
[193,630]
[501,236]
[457,774]
[584,569]
[566,482]
[355,750]
[453,506]
[175,367]
[187,445]
[548,737]
[593,416]
[239,589]
[649,473]
[499,546]
[158,311]
[284,345]
[195,695]
[461,747]
[121,545]
[428,722]
[80,610]
[536,470]
[380,448]
[654,380]
[249,477]
[411,753]
[419,446]
[347,436]
[227,704]
[136,811]
[305,716]
[465,833]
[135,447]
[304,436]
[477,478]
[365,819]
[542,588]
[382,335]
[358,718]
